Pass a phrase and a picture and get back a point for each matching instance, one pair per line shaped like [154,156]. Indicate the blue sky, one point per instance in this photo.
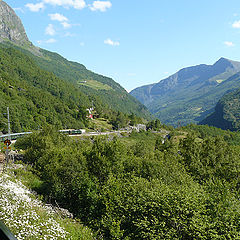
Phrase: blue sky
[136,42]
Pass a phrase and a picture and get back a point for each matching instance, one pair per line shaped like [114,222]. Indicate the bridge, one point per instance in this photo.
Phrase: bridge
[13,136]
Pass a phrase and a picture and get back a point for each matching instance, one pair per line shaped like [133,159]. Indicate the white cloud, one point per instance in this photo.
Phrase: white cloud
[229,44]
[100,6]
[35,7]
[66,25]
[77,4]
[58,17]
[236,24]
[111,42]
[82,44]
[50,30]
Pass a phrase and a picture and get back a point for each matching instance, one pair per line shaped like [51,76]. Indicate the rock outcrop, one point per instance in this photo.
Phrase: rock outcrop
[11,27]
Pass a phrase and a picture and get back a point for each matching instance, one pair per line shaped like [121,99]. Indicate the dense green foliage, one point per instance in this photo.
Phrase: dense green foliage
[115,96]
[112,95]
[227,112]
[154,125]
[104,91]
[37,97]
[203,131]
[147,190]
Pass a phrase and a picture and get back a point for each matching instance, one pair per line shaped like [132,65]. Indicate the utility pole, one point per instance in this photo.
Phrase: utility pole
[9,129]
[9,135]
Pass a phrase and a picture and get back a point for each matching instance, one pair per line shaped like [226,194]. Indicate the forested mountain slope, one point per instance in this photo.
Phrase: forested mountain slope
[104,89]
[190,94]
[37,97]
[227,112]
[43,87]
[90,83]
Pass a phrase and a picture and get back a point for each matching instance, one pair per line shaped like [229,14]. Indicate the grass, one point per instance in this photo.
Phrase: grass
[147,138]
[101,124]
[95,85]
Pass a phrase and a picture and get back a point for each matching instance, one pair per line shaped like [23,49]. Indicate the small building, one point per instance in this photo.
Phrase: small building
[139,127]
[90,113]
[90,116]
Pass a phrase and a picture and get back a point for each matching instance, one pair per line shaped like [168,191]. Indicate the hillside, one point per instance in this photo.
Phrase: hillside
[37,97]
[43,87]
[227,112]
[104,91]
[190,94]
[90,83]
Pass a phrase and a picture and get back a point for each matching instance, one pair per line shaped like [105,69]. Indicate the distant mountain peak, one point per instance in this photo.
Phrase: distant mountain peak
[11,27]
[191,93]
[224,59]
[224,63]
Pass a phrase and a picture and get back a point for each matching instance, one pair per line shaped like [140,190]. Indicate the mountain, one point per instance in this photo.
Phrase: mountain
[190,94]
[90,83]
[42,86]
[11,27]
[227,111]
[37,97]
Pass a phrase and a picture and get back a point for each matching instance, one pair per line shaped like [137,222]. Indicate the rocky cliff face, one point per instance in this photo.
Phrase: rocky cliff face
[11,27]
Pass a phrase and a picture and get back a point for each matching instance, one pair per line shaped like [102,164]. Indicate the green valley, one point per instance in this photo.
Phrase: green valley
[191,94]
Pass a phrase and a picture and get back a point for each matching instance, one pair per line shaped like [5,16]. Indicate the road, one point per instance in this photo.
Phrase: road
[88,134]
